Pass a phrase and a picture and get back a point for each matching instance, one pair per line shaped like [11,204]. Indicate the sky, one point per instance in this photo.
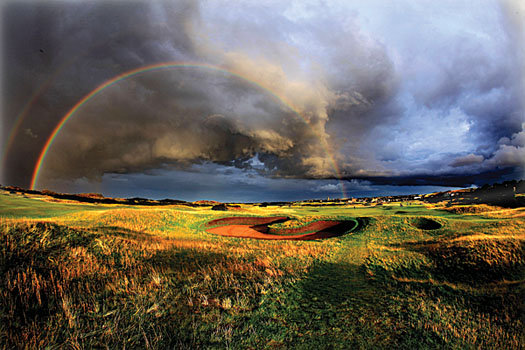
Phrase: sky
[261,100]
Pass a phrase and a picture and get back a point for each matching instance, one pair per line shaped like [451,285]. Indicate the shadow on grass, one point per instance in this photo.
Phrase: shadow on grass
[333,308]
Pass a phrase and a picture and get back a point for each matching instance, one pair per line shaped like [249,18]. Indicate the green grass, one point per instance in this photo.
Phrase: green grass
[16,206]
[90,276]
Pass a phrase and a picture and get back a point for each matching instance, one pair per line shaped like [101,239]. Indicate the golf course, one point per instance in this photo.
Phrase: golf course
[403,275]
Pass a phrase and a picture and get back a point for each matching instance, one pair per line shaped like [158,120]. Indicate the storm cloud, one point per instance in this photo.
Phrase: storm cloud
[425,93]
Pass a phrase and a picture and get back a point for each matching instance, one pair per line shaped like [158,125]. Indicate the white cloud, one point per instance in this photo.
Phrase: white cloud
[511,152]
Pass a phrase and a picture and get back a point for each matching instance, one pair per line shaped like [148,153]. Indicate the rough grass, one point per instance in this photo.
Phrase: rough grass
[87,277]
[108,287]
[472,209]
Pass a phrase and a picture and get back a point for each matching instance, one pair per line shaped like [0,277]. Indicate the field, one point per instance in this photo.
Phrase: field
[416,276]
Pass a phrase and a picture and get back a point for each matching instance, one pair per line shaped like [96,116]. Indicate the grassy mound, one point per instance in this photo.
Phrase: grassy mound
[455,289]
[471,209]
[479,258]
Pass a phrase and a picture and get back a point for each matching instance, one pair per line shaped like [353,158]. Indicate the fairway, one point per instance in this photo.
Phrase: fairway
[412,277]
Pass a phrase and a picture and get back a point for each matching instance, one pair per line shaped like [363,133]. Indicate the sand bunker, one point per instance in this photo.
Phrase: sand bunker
[426,224]
[257,227]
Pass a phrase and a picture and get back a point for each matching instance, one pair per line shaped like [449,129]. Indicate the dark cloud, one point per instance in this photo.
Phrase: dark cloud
[176,124]
[58,52]
[227,184]
[451,179]
[469,159]
[423,95]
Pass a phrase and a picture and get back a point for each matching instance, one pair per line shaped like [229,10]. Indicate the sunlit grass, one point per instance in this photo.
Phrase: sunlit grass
[91,276]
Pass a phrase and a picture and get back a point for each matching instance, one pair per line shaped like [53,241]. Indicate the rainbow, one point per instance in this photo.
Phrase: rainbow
[23,114]
[161,66]
[15,129]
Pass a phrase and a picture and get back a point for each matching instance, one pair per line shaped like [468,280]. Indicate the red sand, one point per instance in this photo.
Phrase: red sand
[253,227]
[247,220]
